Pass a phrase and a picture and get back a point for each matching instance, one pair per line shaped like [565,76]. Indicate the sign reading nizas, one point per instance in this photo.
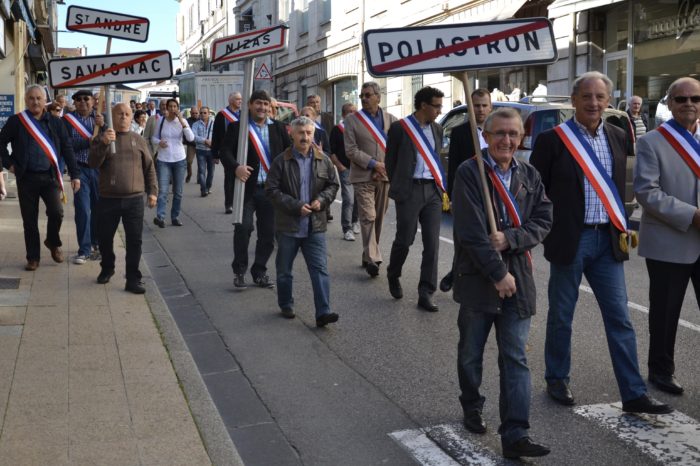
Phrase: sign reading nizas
[110,69]
[454,47]
[248,45]
[107,23]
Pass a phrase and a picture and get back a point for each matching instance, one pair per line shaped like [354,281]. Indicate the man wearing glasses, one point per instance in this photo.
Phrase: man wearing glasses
[667,185]
[417,185]
[365,146]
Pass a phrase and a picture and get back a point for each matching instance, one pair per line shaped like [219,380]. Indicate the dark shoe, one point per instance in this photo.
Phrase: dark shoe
[395,288]
[229,209]
[326,319]
[560,392]
[204,194]
[188,178]
[263,281]
[159,221]
[177,222]
[425,303]
[31,265]
[135,287]
[287,313]
[329,217]
[524,447]
[644,404]
[372,269]
[446,282]
[104,276]
[56,253]
[239,280]
[473,422]
[666,383]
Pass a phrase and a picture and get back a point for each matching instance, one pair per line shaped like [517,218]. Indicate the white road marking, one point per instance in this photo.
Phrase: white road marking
[670,438]
[423,450]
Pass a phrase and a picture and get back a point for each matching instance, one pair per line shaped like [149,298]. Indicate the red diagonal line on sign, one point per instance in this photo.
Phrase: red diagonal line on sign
[389,66]
[87,77]
[107,24]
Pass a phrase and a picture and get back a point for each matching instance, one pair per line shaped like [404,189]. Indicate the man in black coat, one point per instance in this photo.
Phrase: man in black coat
[222,121]
[266,139]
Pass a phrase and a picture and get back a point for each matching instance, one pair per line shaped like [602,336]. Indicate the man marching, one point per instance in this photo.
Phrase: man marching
[222,120]
[417,185]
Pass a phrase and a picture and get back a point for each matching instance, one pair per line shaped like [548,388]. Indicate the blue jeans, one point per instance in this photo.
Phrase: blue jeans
[313,248]
[205,170]
[348,212]
[595,260]
[85,202]
[511,337]
[167,171]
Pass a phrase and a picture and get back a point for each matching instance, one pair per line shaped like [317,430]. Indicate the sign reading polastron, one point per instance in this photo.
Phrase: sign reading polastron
[110,69]
[430,49]
[107,23]
[249,44]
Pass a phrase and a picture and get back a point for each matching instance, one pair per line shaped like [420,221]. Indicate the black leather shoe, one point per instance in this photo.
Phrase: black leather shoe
[326,319]
[473,422]
[446,282]
[104,276]
[524,447]
[559,391]
[135,287]
[395,288]
[177,222]
[263,281]
[287,312]
[425,303]
[666,383]
[229,209]
[372,269]
[239,280]
[644,404]
[159,221]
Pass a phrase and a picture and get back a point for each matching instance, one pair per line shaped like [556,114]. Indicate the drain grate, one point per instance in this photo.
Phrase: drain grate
[9,283]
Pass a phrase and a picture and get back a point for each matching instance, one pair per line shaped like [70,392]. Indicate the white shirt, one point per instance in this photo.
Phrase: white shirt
[171,131]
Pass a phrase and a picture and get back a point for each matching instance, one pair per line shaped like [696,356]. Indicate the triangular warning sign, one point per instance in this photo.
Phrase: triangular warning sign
[263,73]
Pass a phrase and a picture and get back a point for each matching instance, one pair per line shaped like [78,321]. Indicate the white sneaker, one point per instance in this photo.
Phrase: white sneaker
[349,236]
[356,228]
[79,259]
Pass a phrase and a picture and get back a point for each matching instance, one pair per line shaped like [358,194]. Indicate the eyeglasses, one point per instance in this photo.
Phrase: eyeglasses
[503,134]
[681,99]
[82,99]
[367,95]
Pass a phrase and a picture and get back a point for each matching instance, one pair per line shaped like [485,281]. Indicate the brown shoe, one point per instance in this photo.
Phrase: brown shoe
[31,265]
[56,253]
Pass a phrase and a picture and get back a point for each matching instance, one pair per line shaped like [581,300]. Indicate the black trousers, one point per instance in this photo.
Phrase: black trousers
[229,182]
[668,283]
[30,188]
[129,211]
[260,205]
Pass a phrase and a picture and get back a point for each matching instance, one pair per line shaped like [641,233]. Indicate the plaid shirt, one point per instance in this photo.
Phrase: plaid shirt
[595,210]
[81,146]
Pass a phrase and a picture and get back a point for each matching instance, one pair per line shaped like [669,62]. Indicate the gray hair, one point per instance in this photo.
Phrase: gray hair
[592,75]
[31,87]
[234,94]
[373,85]
[302,121]
[503,113]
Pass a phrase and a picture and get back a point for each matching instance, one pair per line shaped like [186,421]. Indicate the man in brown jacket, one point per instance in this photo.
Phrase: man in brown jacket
[124,177]
[365,145]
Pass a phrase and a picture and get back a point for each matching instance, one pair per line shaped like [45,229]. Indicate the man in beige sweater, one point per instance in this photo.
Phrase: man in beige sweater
[124,178]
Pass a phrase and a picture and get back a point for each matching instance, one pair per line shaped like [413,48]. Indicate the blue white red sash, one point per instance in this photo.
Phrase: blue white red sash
[426,151]
[684,143]
[509,201]
[78,126]
[260,148]
[341,127]
[603,185]
[44,141]
[318,126]
[377,133]
[229,115]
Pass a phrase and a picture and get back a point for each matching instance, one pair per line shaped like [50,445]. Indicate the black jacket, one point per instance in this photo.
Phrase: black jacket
[563,179]
[14,133]
[218,133]
[461,149]
[477,265]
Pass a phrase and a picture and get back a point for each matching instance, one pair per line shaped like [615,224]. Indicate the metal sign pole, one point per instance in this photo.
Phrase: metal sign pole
[108,112]
[242,150]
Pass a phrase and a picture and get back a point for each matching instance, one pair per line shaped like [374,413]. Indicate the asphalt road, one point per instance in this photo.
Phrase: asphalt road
[290,393]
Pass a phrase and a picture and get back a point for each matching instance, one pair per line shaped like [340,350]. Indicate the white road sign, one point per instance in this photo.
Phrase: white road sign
[107,23]
[454,47]
[249,44]
[110,69]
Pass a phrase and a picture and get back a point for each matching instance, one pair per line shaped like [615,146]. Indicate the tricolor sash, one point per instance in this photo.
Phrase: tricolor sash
[509,201]
[341,127]
[426,151]
[684,143]
[229,115]
[45,142]
[595,173]
[81,129]
[377,133]
[318,126]
[260,148]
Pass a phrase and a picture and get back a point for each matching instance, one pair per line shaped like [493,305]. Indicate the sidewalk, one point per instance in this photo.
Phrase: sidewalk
[84,375]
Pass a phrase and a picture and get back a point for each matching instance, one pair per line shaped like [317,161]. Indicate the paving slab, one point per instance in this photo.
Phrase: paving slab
[12,315]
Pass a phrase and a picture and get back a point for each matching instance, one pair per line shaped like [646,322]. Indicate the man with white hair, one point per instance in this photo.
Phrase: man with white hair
[225,117]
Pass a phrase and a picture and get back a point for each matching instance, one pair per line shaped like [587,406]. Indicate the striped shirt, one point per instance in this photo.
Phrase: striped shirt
[595,210]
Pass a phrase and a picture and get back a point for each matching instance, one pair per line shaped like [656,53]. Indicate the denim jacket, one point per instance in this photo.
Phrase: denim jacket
[201,132]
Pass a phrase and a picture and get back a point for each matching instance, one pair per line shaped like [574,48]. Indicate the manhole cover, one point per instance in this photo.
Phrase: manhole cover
[9,283]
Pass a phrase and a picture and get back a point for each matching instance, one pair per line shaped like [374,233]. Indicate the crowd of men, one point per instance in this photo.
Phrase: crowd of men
[569,198]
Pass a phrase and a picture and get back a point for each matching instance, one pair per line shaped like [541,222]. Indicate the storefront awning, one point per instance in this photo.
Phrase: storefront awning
[21,12]
[563,7]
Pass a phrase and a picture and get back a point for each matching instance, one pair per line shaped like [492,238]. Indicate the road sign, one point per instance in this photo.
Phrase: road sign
[249,44]
[263,72]
[110,69]
[432,49]
[107,23]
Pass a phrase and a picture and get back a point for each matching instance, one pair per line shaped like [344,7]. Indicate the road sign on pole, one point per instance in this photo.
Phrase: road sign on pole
[434,49]
[263,72]
[107,23]
[249,44]
[110,69]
